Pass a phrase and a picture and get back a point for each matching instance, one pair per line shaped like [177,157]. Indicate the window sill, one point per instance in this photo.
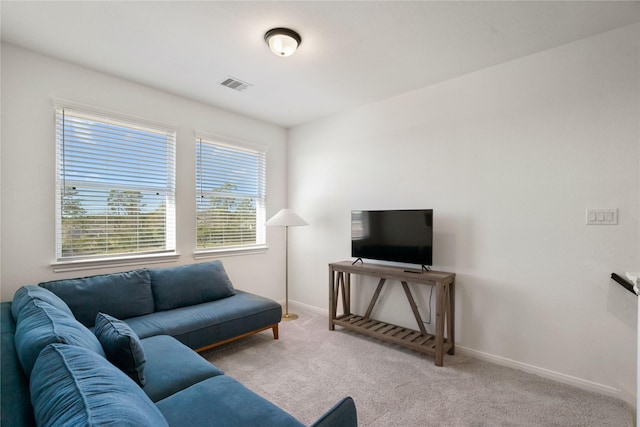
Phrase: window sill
[90,264]
[214,253]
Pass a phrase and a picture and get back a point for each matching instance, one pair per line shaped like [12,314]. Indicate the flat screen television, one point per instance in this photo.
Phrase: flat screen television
[404,236]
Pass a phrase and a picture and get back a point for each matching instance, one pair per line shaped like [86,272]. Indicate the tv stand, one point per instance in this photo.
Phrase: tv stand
[419,340]
[424,269]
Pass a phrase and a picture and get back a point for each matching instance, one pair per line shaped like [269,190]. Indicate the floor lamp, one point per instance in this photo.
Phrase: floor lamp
[286,218]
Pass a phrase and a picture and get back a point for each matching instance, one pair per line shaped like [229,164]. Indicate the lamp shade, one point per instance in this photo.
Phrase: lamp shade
[286,218]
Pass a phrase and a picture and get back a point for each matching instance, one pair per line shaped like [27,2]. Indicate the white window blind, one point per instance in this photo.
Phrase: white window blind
[115,186]
[231,196]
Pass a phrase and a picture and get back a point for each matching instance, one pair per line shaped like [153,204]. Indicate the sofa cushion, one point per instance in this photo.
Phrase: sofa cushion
[69,384]
[200,325]
[41,324]
[189,285]
[172,366]
[121,345]
[28,293]
[232,403]
[121,295]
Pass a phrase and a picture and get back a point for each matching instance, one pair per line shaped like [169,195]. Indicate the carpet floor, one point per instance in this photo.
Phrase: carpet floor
[310,368]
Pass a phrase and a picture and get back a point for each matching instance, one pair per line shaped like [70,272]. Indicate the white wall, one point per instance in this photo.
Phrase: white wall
[29,83]
[509,158]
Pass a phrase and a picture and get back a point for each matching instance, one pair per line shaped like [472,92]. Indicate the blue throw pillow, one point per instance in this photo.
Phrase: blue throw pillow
[121,345]
[122,295]
[191,284]
[72,386]
[41,324]
[31,292]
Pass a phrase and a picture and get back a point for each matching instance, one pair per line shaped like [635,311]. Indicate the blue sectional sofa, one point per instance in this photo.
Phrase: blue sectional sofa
[118,349]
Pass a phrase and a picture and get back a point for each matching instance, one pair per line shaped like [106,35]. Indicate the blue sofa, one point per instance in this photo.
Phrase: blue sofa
[118,349]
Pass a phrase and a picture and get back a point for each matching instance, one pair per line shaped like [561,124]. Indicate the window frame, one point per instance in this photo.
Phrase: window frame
[227,143]
[124,121]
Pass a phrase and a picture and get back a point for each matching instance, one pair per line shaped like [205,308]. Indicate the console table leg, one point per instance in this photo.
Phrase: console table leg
[347,300]
[439,324]
[332,302]
[451,319]
[346,293]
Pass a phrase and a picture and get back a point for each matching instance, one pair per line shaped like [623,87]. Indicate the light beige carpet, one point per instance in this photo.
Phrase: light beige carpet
[310,368]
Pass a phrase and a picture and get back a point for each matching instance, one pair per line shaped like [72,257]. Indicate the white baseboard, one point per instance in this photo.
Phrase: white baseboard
[623,394]
[545,373]
[306,307]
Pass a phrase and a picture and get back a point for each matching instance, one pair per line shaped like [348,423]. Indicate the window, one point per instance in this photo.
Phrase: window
[115,187]
[231,196]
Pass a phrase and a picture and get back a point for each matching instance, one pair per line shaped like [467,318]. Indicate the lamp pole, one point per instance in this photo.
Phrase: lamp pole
[286,218]
[286,315]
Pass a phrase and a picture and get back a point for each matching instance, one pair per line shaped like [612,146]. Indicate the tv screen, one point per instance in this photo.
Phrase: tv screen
[393,235]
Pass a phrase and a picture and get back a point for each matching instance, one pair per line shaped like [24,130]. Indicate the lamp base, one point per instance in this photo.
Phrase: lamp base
[289,316]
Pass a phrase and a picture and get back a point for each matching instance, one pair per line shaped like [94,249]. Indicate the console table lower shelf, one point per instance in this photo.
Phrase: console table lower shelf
[416,340]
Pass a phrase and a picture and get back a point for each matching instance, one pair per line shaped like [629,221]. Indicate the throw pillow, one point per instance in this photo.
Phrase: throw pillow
[121,345]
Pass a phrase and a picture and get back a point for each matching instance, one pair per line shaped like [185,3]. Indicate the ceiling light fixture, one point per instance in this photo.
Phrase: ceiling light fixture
[282,41]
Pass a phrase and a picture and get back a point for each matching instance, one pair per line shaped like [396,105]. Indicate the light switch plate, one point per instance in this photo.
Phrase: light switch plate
[602,216]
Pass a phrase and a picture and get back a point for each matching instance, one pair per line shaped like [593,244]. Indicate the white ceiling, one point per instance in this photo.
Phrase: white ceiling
[352,52]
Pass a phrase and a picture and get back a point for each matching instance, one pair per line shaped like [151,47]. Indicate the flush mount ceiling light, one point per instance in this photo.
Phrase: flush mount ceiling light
[282,41]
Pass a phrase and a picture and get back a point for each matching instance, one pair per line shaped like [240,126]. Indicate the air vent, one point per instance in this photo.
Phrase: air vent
[235,84]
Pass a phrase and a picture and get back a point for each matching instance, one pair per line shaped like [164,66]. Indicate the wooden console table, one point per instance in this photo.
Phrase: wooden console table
[420,340]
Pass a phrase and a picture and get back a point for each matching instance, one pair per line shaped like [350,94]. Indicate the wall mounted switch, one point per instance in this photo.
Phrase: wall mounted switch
[602,217]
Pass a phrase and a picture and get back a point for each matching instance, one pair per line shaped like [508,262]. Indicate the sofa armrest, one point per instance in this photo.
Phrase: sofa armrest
[15,401]
[343,414]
